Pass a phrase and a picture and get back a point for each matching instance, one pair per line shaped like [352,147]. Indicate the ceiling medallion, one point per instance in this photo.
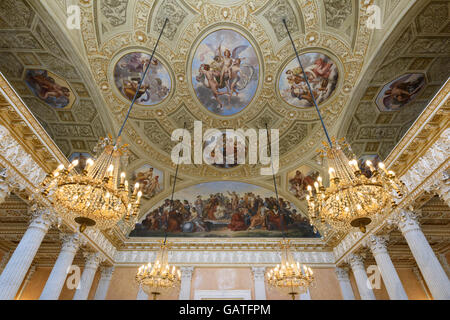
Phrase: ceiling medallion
[128,72]
[225,72]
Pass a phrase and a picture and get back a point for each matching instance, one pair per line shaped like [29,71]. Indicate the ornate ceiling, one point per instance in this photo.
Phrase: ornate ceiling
[35,42]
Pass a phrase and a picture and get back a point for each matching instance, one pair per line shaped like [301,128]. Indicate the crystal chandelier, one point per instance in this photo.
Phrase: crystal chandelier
[351,200]
[95,197]
[290,276]
[98,196]
[159,277]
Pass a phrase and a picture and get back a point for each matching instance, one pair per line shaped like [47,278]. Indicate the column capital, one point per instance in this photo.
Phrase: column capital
[259,273]
[342,273]
[42,218]
[70,241]
[377,244]
[106,272]
[356,261]
[93,259]
[407,220]
[186,272]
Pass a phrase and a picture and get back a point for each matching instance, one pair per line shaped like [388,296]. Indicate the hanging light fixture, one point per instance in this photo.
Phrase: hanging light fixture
[99,196]
[161,277]
[352,199]
[290,277]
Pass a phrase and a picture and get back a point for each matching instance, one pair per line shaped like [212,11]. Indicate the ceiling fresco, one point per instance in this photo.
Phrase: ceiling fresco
[229,64]
[414,65]
[47,79]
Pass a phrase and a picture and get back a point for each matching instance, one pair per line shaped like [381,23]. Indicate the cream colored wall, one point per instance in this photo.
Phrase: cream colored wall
[123,287]
[37,282]
[327,285]
[222,279]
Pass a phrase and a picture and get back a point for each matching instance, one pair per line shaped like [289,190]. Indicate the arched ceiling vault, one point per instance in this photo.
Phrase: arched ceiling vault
[85,60]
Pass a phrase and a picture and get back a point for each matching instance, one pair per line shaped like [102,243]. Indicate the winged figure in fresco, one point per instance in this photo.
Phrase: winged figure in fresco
[225,71]
[152,87]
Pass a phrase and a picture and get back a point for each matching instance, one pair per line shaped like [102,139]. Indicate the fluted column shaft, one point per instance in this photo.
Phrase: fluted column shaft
[103,284]
[260,286]
[19,263]
[394,287]
[57,277]
[432,271]
[90,268]
[141,294]
[185,286]
[344,282]
[362,281]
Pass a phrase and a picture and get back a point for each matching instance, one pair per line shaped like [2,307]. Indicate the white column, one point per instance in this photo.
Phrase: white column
[304,296]
[344,282]
[141,294]
[359,271]
[432,271]
[55,281]
[260,286]
[103,284]
[19,263]
[90,268]
[26,281]
[185,286]
[394,287]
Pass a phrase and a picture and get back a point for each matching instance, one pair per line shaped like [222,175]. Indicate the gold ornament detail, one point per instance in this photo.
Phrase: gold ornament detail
[290,276]
[98,196]
[352,199]
[159,277]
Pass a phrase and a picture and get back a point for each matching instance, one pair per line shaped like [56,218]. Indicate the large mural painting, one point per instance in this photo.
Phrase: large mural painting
[128,72]
[224,209]
[225,72]
[322,74]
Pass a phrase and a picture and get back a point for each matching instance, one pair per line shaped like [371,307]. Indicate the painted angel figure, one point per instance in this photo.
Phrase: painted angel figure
[225,71]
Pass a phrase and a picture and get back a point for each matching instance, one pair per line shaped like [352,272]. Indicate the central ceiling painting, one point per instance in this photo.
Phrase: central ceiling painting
[224,209]
[225,71]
